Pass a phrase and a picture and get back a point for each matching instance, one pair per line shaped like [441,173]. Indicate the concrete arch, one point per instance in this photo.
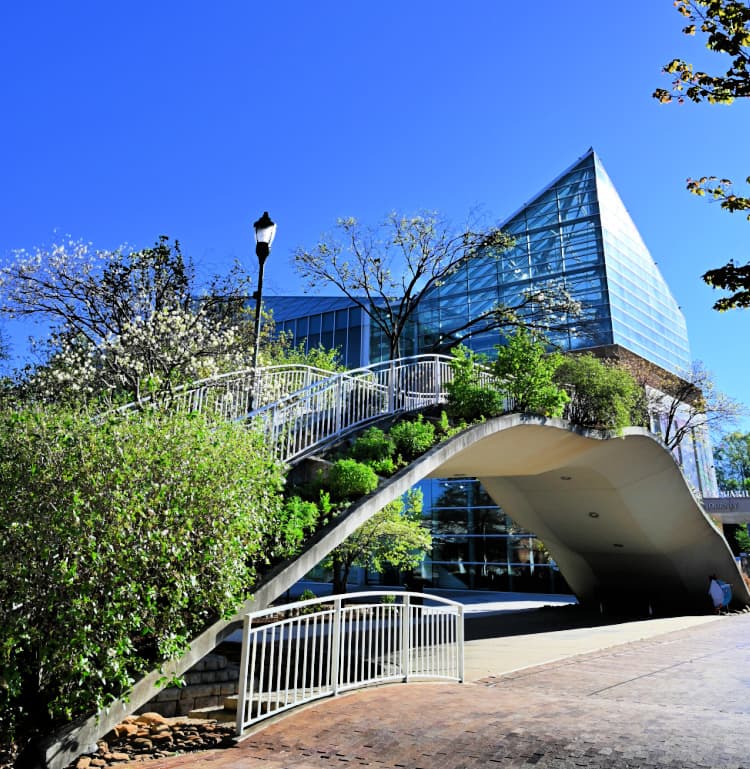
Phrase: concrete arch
[615,511]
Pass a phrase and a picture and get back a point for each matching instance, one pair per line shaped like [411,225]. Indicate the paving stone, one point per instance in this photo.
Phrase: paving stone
[677,701]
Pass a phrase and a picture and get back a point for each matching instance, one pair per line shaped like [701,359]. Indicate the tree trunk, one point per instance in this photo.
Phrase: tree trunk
[340,575]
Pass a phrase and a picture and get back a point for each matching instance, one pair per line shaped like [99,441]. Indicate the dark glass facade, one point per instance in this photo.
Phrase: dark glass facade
[575,234]
[333,322]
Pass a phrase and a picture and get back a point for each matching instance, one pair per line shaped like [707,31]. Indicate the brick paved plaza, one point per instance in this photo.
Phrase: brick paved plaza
[679,700]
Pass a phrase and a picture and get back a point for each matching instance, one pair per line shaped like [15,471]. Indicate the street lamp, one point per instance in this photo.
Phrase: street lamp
[265,232]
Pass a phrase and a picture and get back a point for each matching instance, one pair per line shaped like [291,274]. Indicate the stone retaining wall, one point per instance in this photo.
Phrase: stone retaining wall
[207,685]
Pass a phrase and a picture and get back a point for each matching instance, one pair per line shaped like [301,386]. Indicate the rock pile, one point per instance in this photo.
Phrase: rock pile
[151,735]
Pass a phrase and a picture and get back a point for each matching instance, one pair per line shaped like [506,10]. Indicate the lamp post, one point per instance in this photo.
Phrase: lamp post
[265,232]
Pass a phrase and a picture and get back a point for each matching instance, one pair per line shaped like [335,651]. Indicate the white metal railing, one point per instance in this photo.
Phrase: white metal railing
[321,647]
[233,395]
[322,411]
[300,408]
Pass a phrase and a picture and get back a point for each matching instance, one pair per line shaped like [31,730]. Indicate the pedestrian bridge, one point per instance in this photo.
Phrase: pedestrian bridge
[615,512]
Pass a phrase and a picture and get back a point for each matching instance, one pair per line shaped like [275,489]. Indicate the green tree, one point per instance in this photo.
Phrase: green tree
[525,372]
[389,269]
[602,394]
[395,536]
[742,538]
[119,540]
[726,25]
[732,462]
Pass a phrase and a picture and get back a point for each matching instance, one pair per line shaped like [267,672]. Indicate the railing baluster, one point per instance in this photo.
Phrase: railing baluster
[288,671]
[304,657]
[297,640]
[261,683]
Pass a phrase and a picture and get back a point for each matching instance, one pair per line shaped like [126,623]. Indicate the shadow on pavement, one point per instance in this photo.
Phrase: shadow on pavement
[546,619]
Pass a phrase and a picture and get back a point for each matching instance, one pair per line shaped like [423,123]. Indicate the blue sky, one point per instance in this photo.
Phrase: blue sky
[124,121]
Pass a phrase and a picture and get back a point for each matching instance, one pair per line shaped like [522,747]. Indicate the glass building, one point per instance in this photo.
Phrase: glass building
[576,235]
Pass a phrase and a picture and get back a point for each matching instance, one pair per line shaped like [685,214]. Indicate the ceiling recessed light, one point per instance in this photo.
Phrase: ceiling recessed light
[593,515]
[566,477]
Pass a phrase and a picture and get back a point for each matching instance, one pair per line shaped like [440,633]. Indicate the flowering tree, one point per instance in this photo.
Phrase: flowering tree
[148,357]
[124,324]
[684,403]
[681,403]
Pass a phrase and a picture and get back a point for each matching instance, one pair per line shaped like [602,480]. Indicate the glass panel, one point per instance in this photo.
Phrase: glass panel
[342,319]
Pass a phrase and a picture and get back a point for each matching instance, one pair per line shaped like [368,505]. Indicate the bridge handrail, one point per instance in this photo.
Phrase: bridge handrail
[321,647]
[300,408]
[215,381]
[319,413]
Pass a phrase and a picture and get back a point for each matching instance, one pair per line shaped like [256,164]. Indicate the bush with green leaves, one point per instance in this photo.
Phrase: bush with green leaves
[373,446]
[299,519]
[469,399]
[348,480]
[604,395]
[384,467]
[412,437]
[120,539]
[525,370]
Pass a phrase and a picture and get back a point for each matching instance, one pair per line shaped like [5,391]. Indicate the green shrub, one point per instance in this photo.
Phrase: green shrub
[604,394]
[468,400]
[119,540]
[372,446]
[412,439]
[386,466]
[472,403]
[300,518]
[349,480]
[526,372]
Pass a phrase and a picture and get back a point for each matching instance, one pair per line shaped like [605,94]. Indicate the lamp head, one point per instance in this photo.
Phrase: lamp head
[265,232]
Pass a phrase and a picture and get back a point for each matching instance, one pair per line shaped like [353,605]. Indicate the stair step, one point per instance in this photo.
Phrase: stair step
[214,713]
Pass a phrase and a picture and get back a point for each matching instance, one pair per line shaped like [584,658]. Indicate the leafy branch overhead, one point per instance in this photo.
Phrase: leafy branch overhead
[726,25]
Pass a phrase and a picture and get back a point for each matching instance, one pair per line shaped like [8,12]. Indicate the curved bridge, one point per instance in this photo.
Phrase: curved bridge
[615,512]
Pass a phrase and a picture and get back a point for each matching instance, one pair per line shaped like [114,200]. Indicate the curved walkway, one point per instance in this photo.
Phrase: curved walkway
[677,700]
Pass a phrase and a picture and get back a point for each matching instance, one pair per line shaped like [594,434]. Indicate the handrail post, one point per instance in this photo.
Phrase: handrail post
[337,407]
[336,646]
[406,637]
[244,670]
[460,643]
[391,389]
